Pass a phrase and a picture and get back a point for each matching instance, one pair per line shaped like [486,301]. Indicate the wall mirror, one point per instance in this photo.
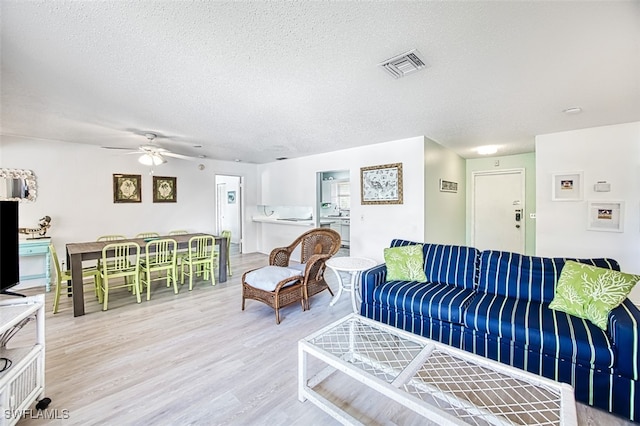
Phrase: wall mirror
[17,185]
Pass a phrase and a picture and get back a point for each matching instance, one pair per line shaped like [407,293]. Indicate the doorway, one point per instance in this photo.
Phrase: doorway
[497,211]
[229,209]
[333,207]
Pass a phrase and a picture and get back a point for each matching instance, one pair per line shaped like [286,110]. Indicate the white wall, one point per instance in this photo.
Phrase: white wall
[293,182]
[75,188]
[444,211]
[609,153]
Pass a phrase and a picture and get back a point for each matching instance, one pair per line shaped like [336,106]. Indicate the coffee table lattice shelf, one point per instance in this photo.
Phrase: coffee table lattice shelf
[439,382]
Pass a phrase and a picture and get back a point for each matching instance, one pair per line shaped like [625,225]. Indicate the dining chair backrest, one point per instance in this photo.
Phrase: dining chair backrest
[147,235]
[226,234]
[113,237]
[160,252]
[119,257]
[54,259]
[201,246]
[178,232]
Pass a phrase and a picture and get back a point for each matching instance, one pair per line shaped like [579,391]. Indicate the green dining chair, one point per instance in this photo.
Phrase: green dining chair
[147,235]
[178,232]
[63,276]
[120,260]
[227,235]
[159,257]
[200,259]
[112,237]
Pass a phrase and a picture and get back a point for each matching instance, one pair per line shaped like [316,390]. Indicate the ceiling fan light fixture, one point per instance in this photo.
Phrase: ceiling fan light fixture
[148,159]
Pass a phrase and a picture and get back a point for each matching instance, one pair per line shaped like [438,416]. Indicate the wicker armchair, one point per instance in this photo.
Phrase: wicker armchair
[316,246]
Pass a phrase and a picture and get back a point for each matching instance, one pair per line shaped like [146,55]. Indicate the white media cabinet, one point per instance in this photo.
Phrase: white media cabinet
[23,382]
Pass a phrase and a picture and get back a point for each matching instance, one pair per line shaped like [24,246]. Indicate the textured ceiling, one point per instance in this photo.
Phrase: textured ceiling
[259,80]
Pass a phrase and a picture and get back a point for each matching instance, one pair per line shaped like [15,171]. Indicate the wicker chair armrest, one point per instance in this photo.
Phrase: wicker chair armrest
[315,266]
[280,256]
[287,281]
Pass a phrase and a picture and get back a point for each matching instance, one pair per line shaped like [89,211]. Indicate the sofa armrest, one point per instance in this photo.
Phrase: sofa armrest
[623,329]
[370,279]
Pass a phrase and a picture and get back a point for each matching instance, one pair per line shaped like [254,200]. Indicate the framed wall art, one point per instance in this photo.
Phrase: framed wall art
[164,189]
[605,216]
[448,186]
[127,188]
[566,186]
[381,184]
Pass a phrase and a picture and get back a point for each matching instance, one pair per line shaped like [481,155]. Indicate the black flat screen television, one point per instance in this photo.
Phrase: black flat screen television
[9,260]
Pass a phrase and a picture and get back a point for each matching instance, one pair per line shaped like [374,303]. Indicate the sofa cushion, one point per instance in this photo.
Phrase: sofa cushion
[590,292]
[525,277]
[405,263]
[447,264]
[438,301]
[535,325]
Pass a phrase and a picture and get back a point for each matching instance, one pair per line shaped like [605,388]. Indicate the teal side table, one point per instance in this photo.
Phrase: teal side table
[39,247]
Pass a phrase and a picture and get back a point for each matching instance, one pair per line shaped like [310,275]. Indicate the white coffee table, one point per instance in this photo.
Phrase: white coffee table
[443,384]
[352,265]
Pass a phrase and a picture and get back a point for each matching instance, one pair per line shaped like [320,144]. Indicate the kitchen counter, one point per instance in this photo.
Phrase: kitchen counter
[292,221]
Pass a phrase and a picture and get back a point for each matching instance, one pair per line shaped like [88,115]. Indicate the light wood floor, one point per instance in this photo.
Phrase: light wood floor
[196,358]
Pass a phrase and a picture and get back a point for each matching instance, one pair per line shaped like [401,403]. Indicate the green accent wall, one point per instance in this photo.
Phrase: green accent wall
[520,161]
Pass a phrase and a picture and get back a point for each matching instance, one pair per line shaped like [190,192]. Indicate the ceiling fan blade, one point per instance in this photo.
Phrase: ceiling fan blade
[115,147]
[180,156]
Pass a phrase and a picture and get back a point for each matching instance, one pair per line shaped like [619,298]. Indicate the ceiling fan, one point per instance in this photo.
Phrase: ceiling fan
[151,154]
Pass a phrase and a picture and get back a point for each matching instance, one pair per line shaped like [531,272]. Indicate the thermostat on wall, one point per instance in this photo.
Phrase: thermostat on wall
[602,186]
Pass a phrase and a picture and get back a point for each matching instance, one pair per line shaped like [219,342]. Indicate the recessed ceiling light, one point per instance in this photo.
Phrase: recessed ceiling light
[237,160]
[487,150]
[572,110]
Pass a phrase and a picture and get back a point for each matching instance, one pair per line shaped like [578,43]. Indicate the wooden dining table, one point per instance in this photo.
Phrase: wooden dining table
[79,252]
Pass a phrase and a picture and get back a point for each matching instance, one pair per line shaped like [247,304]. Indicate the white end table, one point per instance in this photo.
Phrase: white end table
[352,265]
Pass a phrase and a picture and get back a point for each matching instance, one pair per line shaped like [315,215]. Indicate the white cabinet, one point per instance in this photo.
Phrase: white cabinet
[345,232]
[342,227]
[23,382]
[326,191]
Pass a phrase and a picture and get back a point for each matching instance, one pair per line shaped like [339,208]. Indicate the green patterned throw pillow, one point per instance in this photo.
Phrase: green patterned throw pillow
[590,292]
[405,263]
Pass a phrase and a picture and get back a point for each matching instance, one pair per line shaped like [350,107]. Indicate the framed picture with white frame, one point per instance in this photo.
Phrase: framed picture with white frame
[605,216]
[567,186]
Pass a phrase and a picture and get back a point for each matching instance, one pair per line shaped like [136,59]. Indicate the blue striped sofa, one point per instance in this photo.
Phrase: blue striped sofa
[496,304]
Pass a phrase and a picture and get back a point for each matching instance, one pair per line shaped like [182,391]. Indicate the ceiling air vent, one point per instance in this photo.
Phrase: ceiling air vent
[403,64]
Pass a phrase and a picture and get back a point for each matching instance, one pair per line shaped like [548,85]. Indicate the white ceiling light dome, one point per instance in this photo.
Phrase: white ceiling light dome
[151,159]
[487,150]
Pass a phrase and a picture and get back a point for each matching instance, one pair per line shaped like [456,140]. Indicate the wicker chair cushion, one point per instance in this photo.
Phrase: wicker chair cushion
[268,277]
[300,267]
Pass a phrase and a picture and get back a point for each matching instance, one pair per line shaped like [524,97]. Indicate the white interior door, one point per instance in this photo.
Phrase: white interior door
[221,194]
[498,210]
[229,207]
